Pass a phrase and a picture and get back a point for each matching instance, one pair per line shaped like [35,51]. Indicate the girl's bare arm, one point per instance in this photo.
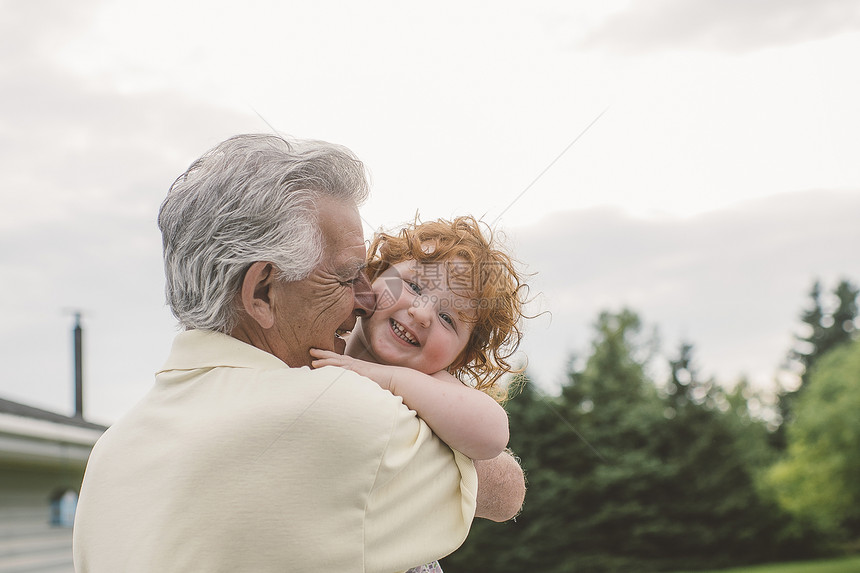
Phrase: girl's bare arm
[466,419]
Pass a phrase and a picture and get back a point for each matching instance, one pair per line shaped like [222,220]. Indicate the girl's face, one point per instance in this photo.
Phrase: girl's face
[418,322]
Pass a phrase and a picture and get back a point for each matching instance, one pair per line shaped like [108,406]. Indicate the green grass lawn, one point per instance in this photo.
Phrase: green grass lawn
[842,565]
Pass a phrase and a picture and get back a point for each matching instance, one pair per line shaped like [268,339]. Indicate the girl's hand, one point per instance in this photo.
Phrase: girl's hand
[376,372]
[329,358]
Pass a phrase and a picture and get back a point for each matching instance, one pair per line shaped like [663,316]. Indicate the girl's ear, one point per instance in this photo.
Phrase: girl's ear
[256,290]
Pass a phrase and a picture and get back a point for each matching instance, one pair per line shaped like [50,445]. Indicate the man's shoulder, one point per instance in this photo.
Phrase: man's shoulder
[265,406]
[342,381]
[332,391]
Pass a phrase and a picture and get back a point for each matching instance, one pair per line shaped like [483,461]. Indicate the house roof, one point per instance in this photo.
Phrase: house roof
[35,437]
[17,409]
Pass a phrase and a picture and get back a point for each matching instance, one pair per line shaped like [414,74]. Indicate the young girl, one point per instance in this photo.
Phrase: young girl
[449,305]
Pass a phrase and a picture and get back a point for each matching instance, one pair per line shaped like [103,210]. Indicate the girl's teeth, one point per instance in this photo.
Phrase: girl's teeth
[402,333]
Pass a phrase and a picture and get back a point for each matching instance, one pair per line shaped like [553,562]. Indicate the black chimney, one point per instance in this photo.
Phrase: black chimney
[79,368]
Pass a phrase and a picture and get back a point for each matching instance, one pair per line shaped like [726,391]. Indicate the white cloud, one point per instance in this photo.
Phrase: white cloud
[728,25]
[84,168]
[455,108]
[731,281]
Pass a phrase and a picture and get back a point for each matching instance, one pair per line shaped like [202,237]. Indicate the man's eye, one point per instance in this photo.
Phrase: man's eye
[349,283]
[415,288]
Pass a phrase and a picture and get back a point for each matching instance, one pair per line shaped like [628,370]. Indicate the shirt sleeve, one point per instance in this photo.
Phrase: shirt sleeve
[423,499]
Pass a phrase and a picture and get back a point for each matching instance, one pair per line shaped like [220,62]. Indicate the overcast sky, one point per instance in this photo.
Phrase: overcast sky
[720,180]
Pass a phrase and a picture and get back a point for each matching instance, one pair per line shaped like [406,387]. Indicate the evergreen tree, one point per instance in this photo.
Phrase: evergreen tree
[533,540]
[624,476]
[841,320]
[716,449]
[824,332]
[568,445]
[818,479]
[813,320]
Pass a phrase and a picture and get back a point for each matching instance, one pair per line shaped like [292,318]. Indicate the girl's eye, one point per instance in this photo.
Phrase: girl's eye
[447,318]
[415,288]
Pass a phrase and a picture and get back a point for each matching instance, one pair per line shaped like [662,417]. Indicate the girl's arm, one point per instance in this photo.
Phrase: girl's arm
[466,419]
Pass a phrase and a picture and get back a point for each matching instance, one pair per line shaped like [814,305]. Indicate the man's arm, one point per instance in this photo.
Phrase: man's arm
[501,487]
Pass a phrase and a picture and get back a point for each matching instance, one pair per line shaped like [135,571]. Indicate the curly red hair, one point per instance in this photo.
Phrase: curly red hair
[497,288]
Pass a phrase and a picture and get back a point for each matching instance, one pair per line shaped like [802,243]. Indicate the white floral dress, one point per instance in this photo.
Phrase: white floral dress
[428,568]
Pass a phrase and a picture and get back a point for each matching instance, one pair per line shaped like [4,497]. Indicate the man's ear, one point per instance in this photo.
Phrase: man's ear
[256,290]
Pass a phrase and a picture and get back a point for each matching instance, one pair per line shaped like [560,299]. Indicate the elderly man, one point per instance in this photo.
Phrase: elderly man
[241,457]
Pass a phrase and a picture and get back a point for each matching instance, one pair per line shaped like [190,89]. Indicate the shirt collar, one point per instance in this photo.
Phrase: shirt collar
[194,349]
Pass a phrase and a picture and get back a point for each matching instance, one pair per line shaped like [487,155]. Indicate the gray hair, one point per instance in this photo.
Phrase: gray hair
[251,198]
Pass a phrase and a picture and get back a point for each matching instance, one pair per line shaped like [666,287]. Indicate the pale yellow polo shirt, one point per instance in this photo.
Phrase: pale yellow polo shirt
[236,462]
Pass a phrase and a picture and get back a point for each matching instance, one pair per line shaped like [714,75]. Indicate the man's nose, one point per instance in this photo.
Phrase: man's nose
[364,297]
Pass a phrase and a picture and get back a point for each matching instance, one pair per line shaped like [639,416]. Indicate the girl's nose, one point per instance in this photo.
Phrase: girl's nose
[421,311]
